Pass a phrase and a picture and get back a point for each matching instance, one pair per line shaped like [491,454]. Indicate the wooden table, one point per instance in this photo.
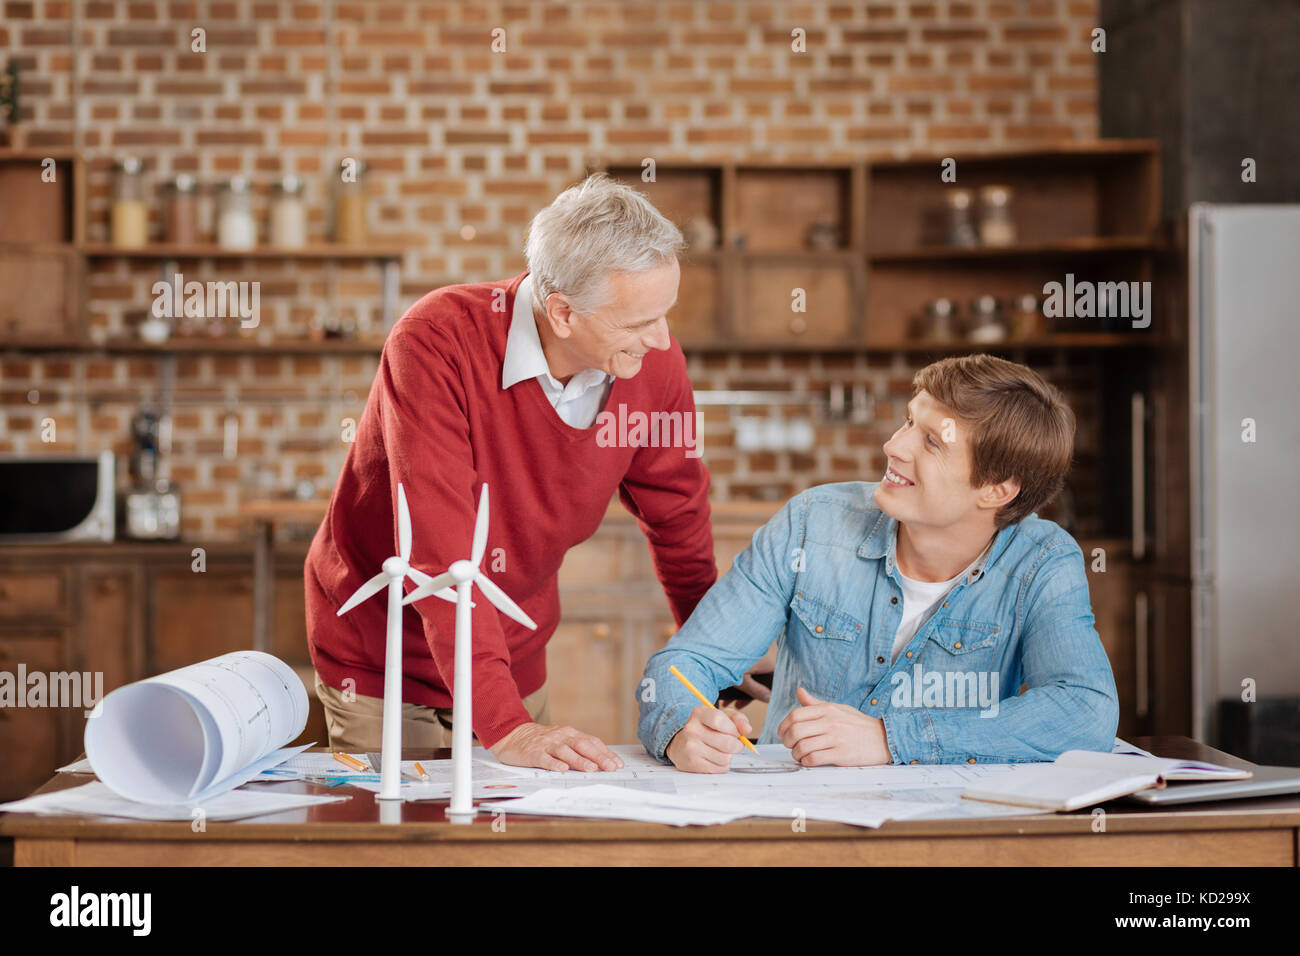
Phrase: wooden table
[1257,832]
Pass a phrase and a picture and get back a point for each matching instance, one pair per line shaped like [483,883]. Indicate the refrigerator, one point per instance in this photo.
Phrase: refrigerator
[1244,406]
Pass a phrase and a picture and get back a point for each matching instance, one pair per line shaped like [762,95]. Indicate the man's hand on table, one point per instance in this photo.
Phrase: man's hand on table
[822,734]
[707,742]
[553,747]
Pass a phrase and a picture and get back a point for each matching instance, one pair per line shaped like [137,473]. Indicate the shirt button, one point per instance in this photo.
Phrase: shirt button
[893,600]
[957,645]
[970,759]
[909,653]
[880,660]
[873,701]
[818,628]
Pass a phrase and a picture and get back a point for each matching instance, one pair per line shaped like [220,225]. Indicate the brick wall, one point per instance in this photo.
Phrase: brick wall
[459,136]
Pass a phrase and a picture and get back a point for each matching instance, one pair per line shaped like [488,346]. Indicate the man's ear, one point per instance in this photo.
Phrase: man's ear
[559,316]
[998,495]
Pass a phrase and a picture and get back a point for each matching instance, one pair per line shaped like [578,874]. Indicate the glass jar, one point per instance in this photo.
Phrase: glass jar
[996,225]
[350,205]
[961,224]
[986,323]
[288,214]
[181,216]
[940,321]
[129,216]
[235,226]
[1027,317]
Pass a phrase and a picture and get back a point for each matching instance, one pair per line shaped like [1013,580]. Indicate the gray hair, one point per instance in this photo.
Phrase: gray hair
[592,229]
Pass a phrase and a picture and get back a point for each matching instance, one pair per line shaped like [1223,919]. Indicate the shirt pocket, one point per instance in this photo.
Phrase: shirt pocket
[823,639]
[962,647]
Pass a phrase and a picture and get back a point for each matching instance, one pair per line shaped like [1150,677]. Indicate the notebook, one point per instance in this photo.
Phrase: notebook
[1082,778]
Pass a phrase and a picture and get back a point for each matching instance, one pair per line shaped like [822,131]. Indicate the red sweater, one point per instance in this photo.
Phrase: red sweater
[438,421]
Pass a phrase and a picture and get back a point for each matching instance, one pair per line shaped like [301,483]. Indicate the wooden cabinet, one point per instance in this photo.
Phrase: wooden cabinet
[33,740]
[42,271]
[198,615]
[585,660]
[868,242]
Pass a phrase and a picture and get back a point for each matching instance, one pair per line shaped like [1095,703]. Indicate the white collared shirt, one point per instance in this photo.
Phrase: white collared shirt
[578,402]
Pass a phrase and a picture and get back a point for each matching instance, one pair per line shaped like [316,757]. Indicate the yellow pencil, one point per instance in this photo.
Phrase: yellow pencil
[421,770]
[691,688]
[350,761]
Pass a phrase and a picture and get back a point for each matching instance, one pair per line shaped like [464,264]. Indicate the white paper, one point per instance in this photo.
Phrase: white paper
[1171,768]
[195,732]
[1124,747]
[863,796]
[96,799]
[618,803]
[1056,787]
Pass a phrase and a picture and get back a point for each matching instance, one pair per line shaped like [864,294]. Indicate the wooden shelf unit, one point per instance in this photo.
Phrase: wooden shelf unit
[319,251]
[42,276]
[1091,208]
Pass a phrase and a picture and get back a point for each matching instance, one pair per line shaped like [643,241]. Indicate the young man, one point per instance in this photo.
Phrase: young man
[908,612]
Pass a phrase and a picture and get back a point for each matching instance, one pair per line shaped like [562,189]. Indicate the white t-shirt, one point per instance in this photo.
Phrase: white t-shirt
[919,598]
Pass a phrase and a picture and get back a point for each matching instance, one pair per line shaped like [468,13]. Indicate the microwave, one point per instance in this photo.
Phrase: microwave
[57,498]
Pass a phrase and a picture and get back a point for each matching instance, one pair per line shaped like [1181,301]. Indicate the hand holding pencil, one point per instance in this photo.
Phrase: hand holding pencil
[710,738]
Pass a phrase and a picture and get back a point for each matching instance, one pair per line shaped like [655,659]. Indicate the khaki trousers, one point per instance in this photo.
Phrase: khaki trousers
[356,726]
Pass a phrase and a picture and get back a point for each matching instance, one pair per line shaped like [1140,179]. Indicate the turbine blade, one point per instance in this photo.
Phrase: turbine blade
[480,530]
[403,524]
[373,586]
[502,600]
[422,579]
[430,588]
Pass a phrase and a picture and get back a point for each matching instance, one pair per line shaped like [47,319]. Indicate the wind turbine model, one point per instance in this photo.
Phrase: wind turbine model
[395,569]
[465,574]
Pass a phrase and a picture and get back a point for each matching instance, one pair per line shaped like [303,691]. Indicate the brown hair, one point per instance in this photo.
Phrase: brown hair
[1020,425]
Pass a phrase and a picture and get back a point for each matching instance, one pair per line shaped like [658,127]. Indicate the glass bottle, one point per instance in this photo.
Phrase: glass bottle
[986,323]
[288,214]
[996,225]
[129,216]
[181,216]
[961,225]
[235,226]
[350,205]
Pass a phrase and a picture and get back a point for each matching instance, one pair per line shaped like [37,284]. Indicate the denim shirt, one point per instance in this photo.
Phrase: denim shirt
[821,579]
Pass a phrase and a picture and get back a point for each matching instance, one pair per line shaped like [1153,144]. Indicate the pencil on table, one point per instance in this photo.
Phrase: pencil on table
[350,761]
[691,687]
[420,770]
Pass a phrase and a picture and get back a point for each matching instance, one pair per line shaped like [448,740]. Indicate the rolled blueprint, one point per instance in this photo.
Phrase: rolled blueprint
[193,733]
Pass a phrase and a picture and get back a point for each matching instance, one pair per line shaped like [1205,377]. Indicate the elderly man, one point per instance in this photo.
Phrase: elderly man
[501,383]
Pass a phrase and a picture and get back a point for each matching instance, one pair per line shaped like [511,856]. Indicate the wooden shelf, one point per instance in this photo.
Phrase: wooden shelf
[200,346]
[162,251]
[1065,340]
[1084,150]
[1084,245]
[1071,340]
